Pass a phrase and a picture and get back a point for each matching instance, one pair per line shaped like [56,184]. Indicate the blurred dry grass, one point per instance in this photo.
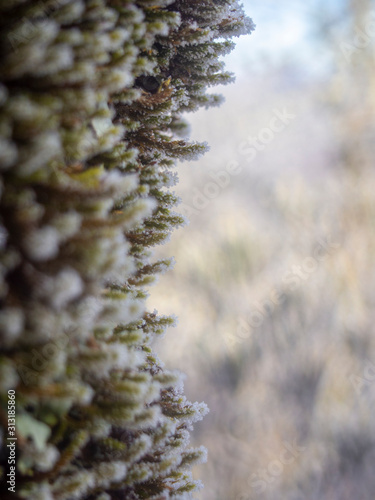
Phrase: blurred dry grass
[306,374]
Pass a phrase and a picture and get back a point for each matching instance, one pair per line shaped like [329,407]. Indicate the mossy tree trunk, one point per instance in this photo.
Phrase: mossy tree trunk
[91,98]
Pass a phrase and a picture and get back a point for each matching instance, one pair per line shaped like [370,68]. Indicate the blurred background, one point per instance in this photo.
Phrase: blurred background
[274,280]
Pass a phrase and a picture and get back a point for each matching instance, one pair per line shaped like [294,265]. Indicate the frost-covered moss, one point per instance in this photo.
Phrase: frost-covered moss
[91,96]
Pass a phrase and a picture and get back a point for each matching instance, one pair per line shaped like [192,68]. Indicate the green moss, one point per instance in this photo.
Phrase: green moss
[86,166]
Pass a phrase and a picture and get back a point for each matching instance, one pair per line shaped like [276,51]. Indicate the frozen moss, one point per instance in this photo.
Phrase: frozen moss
[91,101]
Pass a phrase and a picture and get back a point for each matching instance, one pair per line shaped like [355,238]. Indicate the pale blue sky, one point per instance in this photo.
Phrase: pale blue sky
[283,33]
